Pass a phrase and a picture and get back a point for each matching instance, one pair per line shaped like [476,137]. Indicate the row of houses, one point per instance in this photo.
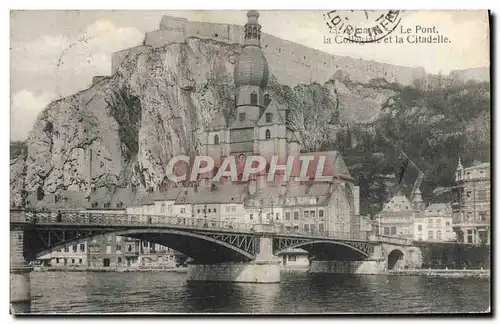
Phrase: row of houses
[466,219]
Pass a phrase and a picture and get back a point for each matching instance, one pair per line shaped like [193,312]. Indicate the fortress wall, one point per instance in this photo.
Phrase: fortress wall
[290,62]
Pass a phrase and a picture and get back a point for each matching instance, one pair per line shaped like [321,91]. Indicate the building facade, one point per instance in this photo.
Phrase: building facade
[471,203]
[403,218]
[434,224]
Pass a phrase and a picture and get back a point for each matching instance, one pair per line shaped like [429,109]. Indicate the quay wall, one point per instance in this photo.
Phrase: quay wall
[355,267]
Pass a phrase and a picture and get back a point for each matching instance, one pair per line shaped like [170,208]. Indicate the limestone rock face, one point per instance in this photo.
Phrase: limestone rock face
[125,127]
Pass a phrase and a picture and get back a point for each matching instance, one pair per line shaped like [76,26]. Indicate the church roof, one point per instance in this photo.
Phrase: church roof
[272,108]
[219,122]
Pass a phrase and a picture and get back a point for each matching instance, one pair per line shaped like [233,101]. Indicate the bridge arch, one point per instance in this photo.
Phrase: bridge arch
[203,247]
[330,250]
[393,258]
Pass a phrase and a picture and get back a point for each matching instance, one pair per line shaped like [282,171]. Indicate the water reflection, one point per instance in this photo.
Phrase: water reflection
[165,292]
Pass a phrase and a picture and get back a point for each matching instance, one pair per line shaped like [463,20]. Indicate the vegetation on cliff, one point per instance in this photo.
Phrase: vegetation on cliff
[433,127]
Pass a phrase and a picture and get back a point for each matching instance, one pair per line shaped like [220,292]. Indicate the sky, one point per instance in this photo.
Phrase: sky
[56,53]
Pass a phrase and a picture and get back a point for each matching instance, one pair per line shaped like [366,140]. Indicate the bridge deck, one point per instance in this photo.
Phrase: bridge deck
[93,221]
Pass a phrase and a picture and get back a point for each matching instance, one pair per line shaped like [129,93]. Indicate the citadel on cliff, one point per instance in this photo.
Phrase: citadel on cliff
[290,62]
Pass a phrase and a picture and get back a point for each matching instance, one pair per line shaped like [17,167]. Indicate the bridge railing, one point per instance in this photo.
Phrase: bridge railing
[391,239]
[93,218]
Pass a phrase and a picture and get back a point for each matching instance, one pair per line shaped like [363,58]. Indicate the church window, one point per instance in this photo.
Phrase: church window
[216,139]
[253,99]
[268,134]
[242,117]
[269,117]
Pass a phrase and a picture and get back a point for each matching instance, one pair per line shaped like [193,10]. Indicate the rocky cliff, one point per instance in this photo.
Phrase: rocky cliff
[124,128]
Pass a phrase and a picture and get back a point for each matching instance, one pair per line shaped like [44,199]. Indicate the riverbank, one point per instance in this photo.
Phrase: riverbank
[109,269]
[448,273]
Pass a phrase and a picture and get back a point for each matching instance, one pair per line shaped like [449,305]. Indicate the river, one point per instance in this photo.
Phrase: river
[167,292]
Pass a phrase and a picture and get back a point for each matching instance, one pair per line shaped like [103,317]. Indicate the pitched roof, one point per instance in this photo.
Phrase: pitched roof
[219,122]
[222,194]
[272,108]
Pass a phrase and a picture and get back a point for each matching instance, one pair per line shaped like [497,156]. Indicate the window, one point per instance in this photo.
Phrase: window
[215,210]
[394,230]
[251,216]
[162,209]
[313,213]
[75,248]
[321,227]
[94,204]
[482,215]
[73,261]
[306,227]
[82,247]
[183,210]
[296,215]
[268,134]
[481,194]
[57,260]
[287,216]
[199,210]
[66,249]
[439,236]
[80,261]
[119,205]
[386,230]
[419,227]
[118,248]
[469,194]
[253,99]
[430,235]
[59,251]
[431,223]
[277,216]
[292,258]
[233,209]
[306,214]
[321,213]
[242,117]
[107,205]
[210,210]
[447,223]
[228,209]
[269,117]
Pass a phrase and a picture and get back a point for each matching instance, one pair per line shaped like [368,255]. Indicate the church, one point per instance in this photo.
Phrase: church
[260,127]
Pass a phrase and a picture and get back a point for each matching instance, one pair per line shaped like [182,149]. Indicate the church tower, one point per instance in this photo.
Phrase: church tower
[251,72]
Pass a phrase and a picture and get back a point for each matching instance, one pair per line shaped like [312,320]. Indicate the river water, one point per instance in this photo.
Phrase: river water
[167,292]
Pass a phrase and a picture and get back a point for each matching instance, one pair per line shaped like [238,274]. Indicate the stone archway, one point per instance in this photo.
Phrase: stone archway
[394,258]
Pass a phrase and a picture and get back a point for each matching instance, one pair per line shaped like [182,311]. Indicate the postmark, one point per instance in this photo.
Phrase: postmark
[362,26]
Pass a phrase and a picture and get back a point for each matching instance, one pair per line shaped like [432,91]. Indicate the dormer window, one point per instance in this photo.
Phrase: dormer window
[269,117]
[268,134]
[242,117]
[253,99]
[107,205]
[216,139]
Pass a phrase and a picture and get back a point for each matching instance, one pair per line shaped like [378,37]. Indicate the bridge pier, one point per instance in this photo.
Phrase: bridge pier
[265,268]
[20,290]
